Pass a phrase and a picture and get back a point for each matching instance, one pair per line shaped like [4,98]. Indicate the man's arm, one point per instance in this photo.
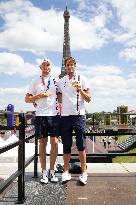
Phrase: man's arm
[85,94]
[29,98]
[32,98]
[59,96]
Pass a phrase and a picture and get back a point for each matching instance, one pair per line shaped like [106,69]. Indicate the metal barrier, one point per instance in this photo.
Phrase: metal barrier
[20,173]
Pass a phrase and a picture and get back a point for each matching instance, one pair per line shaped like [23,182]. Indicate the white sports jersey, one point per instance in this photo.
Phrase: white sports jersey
[47,106]
[69,95]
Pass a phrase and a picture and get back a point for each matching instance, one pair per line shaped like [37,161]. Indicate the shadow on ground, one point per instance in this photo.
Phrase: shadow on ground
[36,193]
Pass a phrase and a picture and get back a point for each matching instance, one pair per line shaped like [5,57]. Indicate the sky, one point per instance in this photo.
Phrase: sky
[102,40]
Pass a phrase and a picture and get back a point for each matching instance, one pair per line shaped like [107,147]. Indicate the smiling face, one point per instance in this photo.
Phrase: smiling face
[46,68]
[70,66]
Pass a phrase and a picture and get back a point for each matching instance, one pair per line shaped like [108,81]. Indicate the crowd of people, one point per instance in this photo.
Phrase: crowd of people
[48,94]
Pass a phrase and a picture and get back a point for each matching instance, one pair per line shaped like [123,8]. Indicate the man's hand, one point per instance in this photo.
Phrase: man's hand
[45,94]
[76,85]
[86,95]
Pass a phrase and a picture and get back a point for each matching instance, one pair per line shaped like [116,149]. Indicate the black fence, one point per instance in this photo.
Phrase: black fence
[20,173]
[22,164]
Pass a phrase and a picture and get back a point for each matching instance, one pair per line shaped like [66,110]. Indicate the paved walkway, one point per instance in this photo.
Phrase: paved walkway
[108,184]
[35,193]
[101,189]
[6,169]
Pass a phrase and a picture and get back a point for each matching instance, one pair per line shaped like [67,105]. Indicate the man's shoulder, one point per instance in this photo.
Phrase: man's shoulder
[62,79]
[79,74]
[35,80]
[53,77]
[84,80]
[83,77]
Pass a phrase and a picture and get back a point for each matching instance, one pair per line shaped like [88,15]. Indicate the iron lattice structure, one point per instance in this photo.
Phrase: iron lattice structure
[66,42]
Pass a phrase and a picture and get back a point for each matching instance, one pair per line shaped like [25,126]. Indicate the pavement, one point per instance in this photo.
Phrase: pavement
[102,189]
[6,169]
[108,184]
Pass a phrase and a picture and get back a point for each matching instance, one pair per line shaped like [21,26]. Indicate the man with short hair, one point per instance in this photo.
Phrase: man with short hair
[43,93]
[74,90]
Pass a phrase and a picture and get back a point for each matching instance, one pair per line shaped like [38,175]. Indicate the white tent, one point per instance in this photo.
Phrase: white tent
[1,142]
[12,154]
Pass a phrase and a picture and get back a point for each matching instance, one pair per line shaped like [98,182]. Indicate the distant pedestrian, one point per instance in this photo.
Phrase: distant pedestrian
[101,138]
[109,141]
[105,141]
[115,142]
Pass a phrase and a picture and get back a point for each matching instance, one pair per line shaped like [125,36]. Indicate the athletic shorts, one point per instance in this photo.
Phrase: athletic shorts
[69,124]
[47,126]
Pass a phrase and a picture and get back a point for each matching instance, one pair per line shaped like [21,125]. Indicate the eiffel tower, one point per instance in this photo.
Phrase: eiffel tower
[66,42]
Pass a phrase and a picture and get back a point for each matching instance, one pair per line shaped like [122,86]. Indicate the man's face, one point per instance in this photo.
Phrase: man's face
[70,67]
[46,68]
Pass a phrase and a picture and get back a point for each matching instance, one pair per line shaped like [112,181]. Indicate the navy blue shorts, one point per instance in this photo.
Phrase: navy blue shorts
[68,124]
[47,126]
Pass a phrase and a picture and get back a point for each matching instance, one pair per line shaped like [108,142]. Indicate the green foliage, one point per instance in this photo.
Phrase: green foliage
[3,120]
[88,115]
[96,117]
[133,120]
[107,119]
[125,159]
[122,138]
[123,118]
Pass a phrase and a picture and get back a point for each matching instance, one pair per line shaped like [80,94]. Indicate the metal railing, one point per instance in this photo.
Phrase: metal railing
[20,173]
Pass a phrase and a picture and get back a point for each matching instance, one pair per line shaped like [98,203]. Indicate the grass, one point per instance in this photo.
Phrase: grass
[122,138]
[125,159]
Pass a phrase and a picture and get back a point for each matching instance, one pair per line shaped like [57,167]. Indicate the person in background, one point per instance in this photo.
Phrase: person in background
[43,93]
[115,142]
[109,141]
[105,141]
[75,90]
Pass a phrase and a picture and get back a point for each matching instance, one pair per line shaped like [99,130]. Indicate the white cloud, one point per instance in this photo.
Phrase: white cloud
[14,96]
[126,15]
[101,71]
[26,29]
[30,28]
[106,80]
[126,11]
[82,4]
[119,17]
[128,53]
[11,63]
[105,70]
[109,88]
[12,91]
[88,35]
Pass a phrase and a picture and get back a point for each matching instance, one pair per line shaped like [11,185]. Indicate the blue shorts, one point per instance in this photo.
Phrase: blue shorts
[47,126]
[68,124]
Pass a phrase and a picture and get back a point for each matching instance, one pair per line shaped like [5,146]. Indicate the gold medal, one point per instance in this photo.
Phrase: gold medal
[74,84]
[44,93]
